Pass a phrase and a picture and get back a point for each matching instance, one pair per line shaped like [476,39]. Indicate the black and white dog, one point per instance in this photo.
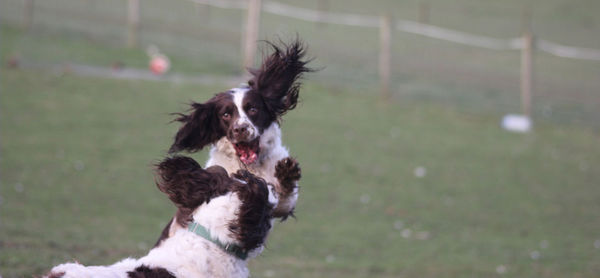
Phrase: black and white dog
[228,221]
[242,125]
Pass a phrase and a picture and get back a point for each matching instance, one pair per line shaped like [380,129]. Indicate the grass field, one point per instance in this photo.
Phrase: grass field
[77,184]
[427,185]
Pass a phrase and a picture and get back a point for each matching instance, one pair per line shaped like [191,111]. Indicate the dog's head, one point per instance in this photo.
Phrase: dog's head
[242,114]
[236,210]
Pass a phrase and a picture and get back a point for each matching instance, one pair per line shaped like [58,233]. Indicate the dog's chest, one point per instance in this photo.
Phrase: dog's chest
[264,168]
[223,154]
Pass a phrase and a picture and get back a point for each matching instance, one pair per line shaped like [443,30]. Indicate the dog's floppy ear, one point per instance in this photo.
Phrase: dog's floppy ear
[200,128]
[277,80]
[187,184]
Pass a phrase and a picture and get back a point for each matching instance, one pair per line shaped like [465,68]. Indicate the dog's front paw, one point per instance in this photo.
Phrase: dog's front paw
[287,172]
[288,169]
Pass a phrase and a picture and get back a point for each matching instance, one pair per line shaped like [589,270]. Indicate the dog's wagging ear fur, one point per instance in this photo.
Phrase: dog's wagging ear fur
[200,128]
[277,79]
[188,185]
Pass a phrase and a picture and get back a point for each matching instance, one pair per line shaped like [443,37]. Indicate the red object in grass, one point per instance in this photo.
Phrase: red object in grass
[159,64]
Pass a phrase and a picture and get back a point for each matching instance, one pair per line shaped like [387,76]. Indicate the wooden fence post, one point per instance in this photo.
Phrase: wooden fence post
[323,6]
[203,11]
[251,33]
[526,62]
[423,12]
[526,73]
[28,14]
[385,55]
[133,22]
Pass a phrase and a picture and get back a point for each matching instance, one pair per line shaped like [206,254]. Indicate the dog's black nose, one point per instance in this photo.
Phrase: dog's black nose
[240,129]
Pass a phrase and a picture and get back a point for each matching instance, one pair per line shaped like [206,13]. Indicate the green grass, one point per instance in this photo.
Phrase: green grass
[77,184]
[76,153]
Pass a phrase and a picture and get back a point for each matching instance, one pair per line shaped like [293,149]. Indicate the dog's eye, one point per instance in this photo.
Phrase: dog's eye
[252,110]
[226,116]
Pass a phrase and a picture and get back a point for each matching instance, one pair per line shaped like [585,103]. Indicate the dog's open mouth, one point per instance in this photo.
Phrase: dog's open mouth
[247,151]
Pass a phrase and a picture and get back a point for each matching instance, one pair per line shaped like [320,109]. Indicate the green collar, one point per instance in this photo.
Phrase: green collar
[232,249]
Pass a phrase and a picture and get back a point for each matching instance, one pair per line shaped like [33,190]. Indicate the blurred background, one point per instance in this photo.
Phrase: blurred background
[407,169]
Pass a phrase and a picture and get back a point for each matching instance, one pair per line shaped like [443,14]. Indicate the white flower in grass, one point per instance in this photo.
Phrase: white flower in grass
[597,244]
[406,233]
[501,269]
[420,172]
[269,273]
[330,259]
[79,165]
[398,225]
[544,244]
[19,187]
[535,255]
[365,198]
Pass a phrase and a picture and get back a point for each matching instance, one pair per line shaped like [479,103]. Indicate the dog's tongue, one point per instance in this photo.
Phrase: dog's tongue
[248,157]
[247,152]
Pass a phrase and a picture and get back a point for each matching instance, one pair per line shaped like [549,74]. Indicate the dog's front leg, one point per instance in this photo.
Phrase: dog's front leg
[288,173]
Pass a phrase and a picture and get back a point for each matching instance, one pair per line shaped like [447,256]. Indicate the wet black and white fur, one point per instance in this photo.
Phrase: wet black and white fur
[242,125]
[236,210]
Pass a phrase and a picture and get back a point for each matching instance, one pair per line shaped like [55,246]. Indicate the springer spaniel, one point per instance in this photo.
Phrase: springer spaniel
[228,221]
[242,125]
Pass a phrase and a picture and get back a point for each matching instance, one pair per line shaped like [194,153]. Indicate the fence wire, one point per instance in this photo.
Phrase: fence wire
[429,63]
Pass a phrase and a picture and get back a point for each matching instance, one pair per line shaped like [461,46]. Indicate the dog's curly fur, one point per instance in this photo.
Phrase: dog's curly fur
[277,78]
